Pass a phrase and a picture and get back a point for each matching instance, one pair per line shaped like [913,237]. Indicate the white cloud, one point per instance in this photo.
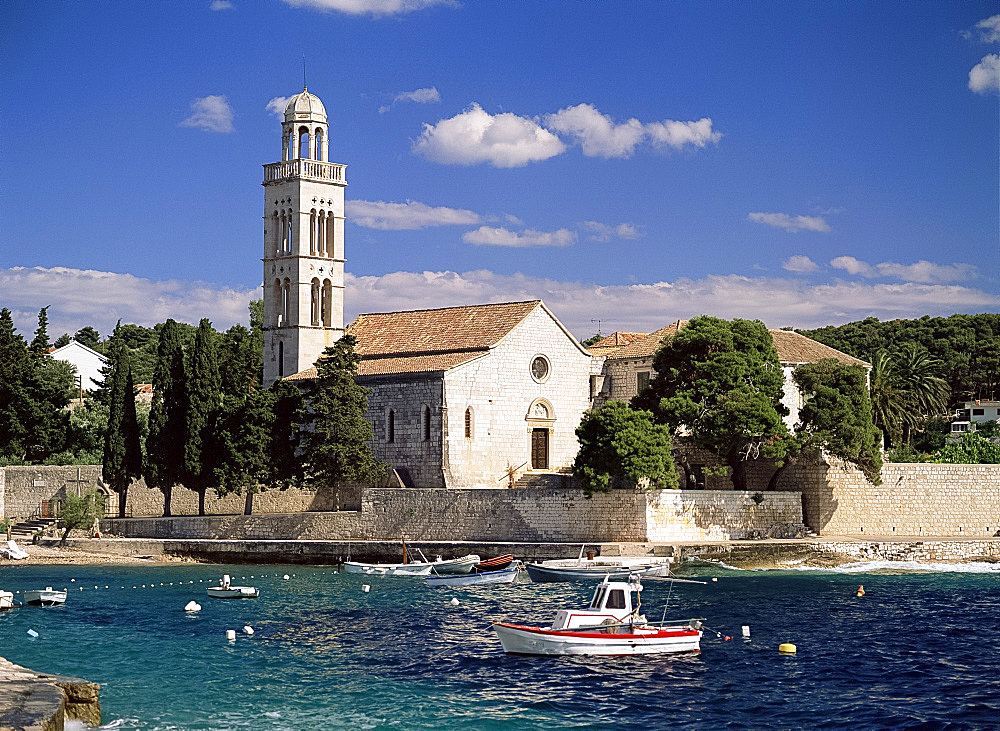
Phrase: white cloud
[474,136]
[597,134]
[490,236]
[985,75]
[670,133]
[82,297]
[220,5]
[86,297]
[406,216]
[927,273]
[853,266]
[791,224]
[418,96]
[604,232]
[989,30]
[645,307]
[375,8]
[800,264]
[600,136]
[277,106]
[210,113]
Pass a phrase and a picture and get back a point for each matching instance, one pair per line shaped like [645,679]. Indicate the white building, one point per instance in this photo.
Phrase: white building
[88,364]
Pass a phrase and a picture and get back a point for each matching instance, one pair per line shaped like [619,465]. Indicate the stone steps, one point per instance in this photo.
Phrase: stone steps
[25,530]
[550,480]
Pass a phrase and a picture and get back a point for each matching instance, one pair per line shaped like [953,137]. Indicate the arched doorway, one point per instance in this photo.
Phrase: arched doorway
[541,419]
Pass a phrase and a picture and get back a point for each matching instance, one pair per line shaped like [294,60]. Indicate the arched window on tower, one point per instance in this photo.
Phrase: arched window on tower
[327,303]
[319,144]
[276,304]
[281,360]
[468,423]
[286,303]
[321,233]
[288,146]
[331,227]
[303,143]
[313,222]
[274,240]
[314,316]
[390,426]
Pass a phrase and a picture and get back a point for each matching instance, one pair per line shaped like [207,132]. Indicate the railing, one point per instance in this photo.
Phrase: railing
[301,168]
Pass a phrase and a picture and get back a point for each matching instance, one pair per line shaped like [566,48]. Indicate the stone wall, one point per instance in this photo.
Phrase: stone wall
[33,489]
[913,499]
[528,515]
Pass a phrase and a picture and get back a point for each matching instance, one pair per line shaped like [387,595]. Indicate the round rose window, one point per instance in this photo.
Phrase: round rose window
[539,368]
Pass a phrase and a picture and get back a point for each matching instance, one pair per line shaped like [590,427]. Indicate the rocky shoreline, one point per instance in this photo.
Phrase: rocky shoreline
[33,701]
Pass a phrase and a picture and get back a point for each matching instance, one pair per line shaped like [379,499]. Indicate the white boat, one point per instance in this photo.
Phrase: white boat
[591,568]
[46,597]
[387,569]
[502,576]
[226,590]
[6,600]
[610,625]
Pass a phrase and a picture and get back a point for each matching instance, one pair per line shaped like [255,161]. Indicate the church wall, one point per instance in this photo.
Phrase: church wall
[500,389]
[409,451]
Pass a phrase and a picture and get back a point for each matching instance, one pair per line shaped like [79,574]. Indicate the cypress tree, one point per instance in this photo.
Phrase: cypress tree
[15,369]
[204,397]
[122,461]
[336,436]
[40,344]
[167,415]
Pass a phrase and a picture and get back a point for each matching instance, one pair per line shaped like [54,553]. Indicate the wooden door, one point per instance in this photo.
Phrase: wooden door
[539,449]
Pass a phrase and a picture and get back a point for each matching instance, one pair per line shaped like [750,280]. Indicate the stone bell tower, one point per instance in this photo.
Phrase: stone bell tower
[303,243]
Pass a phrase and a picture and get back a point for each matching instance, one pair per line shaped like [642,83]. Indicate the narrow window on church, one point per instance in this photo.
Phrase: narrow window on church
[468,423]
[312,232]
[427,423]
[314,313]
[321,233]
[319,144]
[327,302]
[391,427]
[276,293]
[275,239]
[281,360]
[331,224]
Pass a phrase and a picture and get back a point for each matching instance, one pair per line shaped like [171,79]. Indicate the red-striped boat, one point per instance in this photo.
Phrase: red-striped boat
[495,564]
[611,625]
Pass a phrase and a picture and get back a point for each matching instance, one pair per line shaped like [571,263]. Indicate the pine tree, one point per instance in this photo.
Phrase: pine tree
[204,399]
[122,461]
[167,415]
[40,344]
[335,436]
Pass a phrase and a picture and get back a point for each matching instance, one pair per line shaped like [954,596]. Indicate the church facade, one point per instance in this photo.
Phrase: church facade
[469,397]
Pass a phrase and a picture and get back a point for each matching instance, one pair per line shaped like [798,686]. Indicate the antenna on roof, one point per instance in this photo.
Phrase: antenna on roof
[598,326]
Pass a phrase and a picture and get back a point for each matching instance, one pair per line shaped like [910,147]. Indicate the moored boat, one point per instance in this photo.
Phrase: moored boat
[226,590]
[571,569]
[46,597]
[387,569]
[496,563]
[610,625]
[479,578]
[6,600]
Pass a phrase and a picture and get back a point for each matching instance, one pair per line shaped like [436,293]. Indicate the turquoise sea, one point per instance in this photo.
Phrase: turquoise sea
[921,650]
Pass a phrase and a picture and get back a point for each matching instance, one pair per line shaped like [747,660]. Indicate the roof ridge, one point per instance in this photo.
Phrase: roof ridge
[452,307]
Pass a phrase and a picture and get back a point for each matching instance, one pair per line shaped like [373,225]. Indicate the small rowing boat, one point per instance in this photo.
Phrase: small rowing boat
[226,590]
[502,576]
[610,625]
[46,597]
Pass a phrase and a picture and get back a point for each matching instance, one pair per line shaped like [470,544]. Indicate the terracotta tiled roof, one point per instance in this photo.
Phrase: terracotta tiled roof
[614,341]
[424,341]
[792,347]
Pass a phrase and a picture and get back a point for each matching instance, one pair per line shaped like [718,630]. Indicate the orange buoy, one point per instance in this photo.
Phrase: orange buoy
[861,590]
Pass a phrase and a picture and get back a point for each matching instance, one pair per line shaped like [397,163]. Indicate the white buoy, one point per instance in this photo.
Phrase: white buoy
[714,579]
[285,577]
[32,633]
[365,588]
[231,635]
[192,606]
[454,602]
[247,629]
[746,631]
[72,581]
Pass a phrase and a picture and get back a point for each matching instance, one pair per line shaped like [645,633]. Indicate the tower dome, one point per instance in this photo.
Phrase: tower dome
[305,107]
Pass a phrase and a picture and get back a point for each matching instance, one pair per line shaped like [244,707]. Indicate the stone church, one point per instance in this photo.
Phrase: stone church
[472,396]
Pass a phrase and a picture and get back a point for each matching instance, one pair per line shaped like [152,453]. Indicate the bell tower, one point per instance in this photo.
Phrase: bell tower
[303,243]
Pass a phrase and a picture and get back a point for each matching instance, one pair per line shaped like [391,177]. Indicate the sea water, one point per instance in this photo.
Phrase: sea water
[921,649]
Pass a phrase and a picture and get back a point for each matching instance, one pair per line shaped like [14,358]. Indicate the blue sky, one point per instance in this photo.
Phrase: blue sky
[804,163]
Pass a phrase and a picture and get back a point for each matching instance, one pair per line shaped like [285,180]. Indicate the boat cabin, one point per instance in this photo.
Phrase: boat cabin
[611,605]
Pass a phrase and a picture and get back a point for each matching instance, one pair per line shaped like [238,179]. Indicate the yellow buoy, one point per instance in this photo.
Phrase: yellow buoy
[786,648]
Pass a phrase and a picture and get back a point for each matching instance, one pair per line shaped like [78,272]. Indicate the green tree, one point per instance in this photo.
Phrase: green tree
[837,416]
[85,432]
[40,343]
[62,341]
[51,387]
[167,415]
[88,336]
[720,384]
[596,338]
[240,361]
[80,512]
[335,436]
[907,390]
[121,462]
[244,443]
[620,446]
[15,400]
[973,449]
[204,399]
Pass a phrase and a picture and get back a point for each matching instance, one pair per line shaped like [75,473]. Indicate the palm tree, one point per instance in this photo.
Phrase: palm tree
[906,388]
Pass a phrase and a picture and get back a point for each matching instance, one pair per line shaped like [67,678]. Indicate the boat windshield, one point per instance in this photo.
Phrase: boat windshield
[616,599]
[595,603]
